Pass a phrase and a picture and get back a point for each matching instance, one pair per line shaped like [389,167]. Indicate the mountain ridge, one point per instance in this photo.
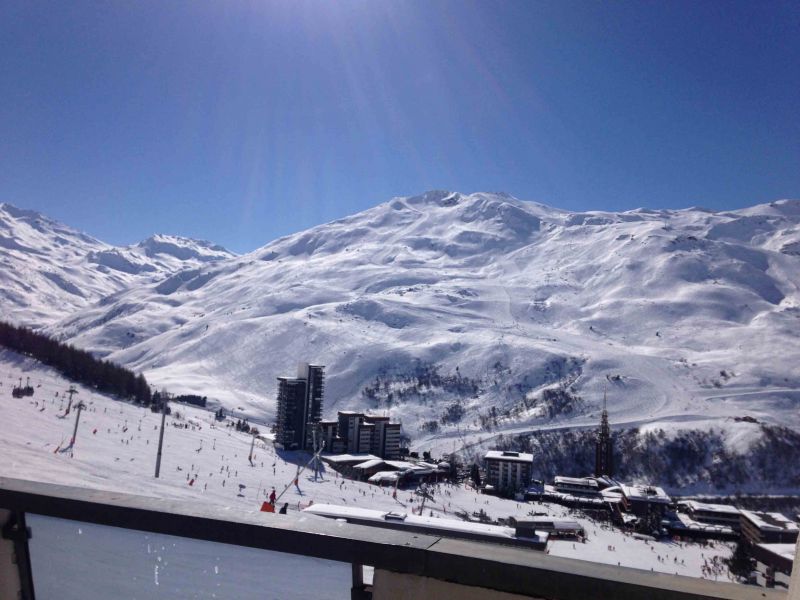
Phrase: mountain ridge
[479,317]
[49,269]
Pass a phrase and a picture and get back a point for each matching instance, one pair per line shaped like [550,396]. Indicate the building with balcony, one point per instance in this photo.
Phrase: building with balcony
[643,500]
[359,433]
[508,471]
[712,514]
[768,528]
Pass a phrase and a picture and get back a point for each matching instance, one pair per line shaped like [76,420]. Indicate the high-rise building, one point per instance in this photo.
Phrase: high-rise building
[291,400]
[300,407]
[385,438]
[315,390]
[365,434]
[349,422]
[508,471]
[361,434]
[604,446]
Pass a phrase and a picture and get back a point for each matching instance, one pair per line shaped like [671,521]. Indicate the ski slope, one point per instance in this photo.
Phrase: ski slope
[49,270]
[115,450]
[688,318]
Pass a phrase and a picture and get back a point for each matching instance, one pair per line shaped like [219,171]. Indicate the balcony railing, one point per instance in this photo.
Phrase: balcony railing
[406,565]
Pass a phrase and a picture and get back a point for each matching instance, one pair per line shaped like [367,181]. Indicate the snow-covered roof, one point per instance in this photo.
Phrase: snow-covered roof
[687,522]
[646,493]
[380,476]
[370,464]
[338,512]
[724,509]
[427,465]
[345,458]
[508,456]
[771,521]
[403,465]
[546,523]
[577,481]
[552,493]
[783,550]
[612,493]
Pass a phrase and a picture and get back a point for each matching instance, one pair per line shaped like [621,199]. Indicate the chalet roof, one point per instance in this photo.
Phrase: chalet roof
[508,456]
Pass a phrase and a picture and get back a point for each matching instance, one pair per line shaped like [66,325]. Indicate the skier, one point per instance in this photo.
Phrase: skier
[284,508]
[272,496]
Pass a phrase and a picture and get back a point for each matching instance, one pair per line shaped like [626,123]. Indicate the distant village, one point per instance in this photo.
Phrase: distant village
[368,448]
[364,448]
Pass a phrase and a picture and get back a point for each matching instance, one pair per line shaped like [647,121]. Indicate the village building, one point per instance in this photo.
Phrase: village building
[702,520]
[327,436]
[581,486]
[768,528]
[712,514]
[449,528]
[643,500]
[773,564]
[361,433]
[385,440]
[344,463]
[508,471]
[555,528]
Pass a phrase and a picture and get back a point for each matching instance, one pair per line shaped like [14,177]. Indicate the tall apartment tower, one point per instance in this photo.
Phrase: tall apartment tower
[604,446]
[300,407]
[315,390]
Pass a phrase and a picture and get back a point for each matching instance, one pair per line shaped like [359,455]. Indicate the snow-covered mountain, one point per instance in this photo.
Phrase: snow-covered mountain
[49,271]
[474,316]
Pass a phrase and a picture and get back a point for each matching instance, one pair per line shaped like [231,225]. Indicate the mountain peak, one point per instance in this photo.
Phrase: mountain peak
[25,215]
[182,248]
[21,213]
[435,197]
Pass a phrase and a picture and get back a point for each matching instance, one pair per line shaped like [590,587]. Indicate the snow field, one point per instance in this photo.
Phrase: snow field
[208,463]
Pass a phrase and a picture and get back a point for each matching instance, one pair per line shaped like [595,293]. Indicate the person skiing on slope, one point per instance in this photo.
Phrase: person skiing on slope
[272,496]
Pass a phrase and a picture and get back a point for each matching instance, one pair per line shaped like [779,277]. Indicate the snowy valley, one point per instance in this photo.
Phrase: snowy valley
[476,320]
[206,462]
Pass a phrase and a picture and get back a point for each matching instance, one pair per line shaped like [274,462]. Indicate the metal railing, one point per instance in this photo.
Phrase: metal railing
[456,562]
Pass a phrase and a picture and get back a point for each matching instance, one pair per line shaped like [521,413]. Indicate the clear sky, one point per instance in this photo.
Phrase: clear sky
[241,121]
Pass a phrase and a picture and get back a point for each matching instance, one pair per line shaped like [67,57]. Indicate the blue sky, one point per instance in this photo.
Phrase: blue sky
[243,121]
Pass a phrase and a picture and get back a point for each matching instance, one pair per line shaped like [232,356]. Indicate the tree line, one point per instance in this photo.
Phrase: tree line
[77,365]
